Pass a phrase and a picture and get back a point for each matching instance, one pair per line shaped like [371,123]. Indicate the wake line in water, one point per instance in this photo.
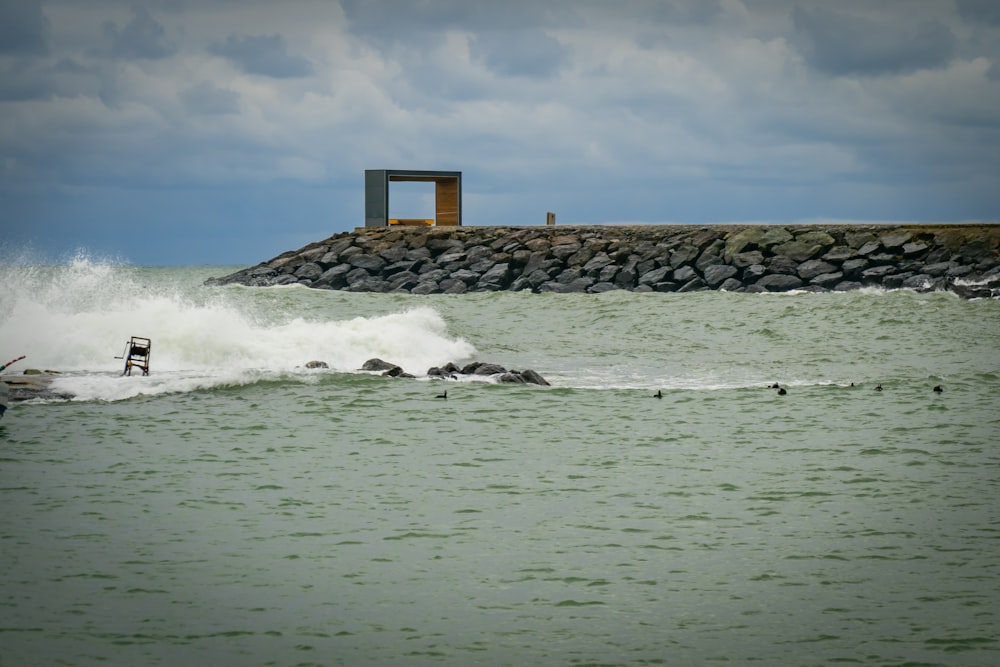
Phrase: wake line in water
[74,318]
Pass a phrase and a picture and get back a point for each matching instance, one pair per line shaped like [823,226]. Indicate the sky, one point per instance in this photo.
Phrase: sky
[195,132]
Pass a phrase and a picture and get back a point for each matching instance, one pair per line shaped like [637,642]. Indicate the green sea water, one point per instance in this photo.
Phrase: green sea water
[238,508]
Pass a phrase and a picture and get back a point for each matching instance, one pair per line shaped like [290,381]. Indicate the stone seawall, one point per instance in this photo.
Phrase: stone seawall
[963,258]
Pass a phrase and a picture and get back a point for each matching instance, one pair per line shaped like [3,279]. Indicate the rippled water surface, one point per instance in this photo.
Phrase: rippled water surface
[235,508]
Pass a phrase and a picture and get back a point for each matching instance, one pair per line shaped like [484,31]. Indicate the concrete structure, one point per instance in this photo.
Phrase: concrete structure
[447,196]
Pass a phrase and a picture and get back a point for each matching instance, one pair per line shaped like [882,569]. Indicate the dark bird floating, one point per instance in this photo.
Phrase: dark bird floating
[878,387]
[938,388]
[443,394]
[658,394]
[781,391]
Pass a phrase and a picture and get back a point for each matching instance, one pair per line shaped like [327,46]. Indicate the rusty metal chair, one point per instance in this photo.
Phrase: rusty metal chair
[136,355]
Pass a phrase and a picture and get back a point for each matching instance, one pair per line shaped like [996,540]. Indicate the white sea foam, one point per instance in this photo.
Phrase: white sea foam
[75,318]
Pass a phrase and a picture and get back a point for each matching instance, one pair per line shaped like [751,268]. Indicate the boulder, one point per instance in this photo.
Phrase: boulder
[498,276]
[684,274]
[309,271]
[811,268]
[895,240]
[798,251]
[828,279]
[876,273]
[370,263]
[741,260]
[742,241]
[655,276]
[376,364]
[779,282]
[716,274]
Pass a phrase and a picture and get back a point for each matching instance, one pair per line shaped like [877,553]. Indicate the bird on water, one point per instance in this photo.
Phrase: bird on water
[781,391]
[938,389]
[443,394]
[878,387]
[658,394]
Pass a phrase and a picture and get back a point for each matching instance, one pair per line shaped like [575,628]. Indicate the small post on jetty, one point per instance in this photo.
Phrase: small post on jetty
[550,218]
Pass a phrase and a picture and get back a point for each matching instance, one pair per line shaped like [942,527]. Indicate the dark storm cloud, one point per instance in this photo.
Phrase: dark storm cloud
[980,11]
[265,55]
[24,28]
[22,81]
[685,11]
[529,53]
[33,79]
[143,37]
[206,98]
[842,44]
[387,22]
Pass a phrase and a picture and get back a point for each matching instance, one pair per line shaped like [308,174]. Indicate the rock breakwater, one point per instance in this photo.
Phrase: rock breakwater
[963,258]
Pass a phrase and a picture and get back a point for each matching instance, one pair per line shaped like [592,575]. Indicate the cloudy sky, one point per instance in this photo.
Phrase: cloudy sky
[227,131]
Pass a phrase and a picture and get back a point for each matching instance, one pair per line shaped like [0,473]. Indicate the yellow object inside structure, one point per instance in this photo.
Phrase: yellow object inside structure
[411,221]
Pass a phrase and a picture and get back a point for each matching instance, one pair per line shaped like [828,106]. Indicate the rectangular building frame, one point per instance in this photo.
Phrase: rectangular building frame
[447,194]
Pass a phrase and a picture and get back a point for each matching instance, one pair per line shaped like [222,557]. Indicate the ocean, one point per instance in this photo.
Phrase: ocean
[238,508]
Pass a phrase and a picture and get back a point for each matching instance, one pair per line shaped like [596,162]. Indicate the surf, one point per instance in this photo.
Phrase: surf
[76,317]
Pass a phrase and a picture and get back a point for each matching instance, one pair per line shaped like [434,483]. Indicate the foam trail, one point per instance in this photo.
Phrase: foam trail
[76,317]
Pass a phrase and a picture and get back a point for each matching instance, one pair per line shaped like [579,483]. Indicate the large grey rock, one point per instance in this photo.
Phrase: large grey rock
[743,241]
[309,271]
[895,239]
[716,274]
[441,245]
[913,249]
[405,280]
[811,268]
[775,236]
[655,276]
[815,237]
[939,269]
[684,274]
[921,282]
[569,275]
[876,273]
[334,277]
[683,255]
[782,264]
[559,288]
[564,251]
[598,262]
[753,272]
[453,286]
[376,364]
[779,282]
[625,279]
[838,254]
[741,260]
[370,263]
[854,267]
[828,279]
[696,284]
[869,248]
[798,251]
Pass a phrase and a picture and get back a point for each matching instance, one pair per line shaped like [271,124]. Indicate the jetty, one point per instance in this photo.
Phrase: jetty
[419,259]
